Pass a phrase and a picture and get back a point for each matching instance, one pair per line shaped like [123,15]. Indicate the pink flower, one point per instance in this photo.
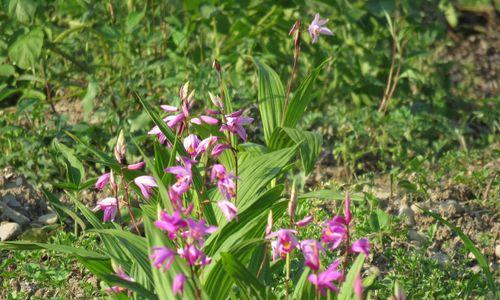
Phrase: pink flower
[193,256]
[118,289]
[334,234]
[347,209]
[285,242]
[228,209]
[218,172]
[304,222]
[198,230]
[205,144]
[178,284]
[361,246]
[311,250]
[102,181]
[171,223]
[235,122]
[136,166]
[146,184]
[218,149]
[324,280]
[156,131]
[169,108]
[209,120]
[162,257]
[109,207]
[183,182]
[358,287]
[316,28]
[227,186]
[191,143]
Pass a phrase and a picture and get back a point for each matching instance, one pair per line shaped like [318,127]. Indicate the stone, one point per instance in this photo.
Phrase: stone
[416,236]
[9,231]
[450,207]
[476,269]
[407,213]
[11,201]
[9,213]
[48,219]
[440,257]
[497,251]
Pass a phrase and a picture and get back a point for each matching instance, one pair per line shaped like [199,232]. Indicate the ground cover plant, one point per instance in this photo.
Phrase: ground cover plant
[330,150]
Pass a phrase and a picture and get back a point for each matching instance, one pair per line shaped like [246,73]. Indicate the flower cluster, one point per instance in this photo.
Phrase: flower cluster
[334,233]
[187,234]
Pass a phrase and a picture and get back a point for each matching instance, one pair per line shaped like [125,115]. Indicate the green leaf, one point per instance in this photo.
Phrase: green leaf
[7,70]
[483,262]
[246,281]
[75,169]
[25,51]
[310,144]
[22,245]
[22,10]
[331,195]
[271,98]
[88,99]
[303,289]
[61,209]
[347,289]
[301,98]
[133,19]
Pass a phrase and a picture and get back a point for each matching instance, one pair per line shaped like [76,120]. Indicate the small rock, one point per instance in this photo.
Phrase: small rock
[450,207]
[497,251]
[476,269]
[13,215]
[48,219]
[373,270]
[407,213]
[441,258]
[9,231]
[19,181]
[11,201]
[416,236]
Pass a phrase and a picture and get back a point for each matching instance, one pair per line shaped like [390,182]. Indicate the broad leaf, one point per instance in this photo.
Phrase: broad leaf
[25,51]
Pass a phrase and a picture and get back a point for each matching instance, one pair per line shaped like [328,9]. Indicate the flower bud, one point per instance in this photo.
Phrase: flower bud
[269,227]
[120,148]
[216,65]
[292,205]
[112,182]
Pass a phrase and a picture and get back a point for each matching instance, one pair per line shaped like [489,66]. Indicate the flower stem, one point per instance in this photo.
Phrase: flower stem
[294,68]
[287,279]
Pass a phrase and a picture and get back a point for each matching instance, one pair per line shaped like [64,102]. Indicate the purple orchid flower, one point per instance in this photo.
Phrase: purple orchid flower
[235,122]
[305,221]
[218,149]
[109,207]
[118,289]
[228,209]
[227,186]
[361,246]
[316,28]
[146,184]
[102,181]
[218,172]
[193,256]
[285,242]
[191,143]
[205,144]
[311,250]
[324,280]
[136,166]
[178,284]
[334,234]
[162,257]
[198,230]
[358,286]
[171,223]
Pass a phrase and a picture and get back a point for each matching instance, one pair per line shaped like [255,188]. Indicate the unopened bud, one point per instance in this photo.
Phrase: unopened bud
[183,91]
[269,227]
[112,182]
[216,65]
[292,205]
[120,148]
[216,100]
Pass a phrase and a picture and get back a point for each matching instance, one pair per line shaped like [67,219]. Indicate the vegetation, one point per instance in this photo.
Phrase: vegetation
[280,131]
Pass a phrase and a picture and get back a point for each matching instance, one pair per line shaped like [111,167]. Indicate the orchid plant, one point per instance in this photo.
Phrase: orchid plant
[190,221]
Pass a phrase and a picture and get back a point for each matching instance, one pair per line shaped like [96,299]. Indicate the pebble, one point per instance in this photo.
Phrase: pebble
[476,269]
[11,201]
[416,236]
[48,219]
[9,231]
[407,213]
[441,258]
[450,207]
[13,215]
[497,251]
